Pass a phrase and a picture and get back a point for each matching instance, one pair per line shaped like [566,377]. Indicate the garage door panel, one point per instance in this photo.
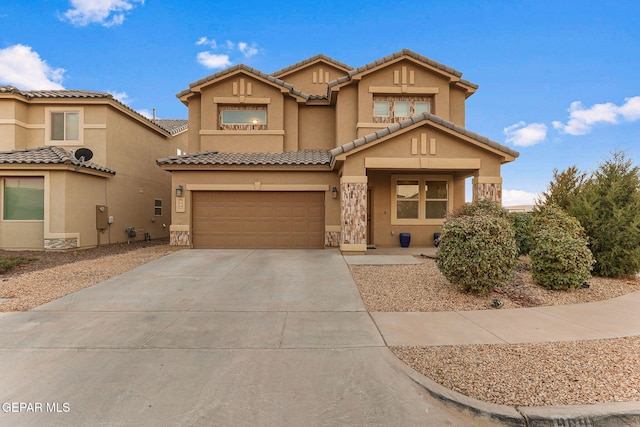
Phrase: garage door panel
[258,219]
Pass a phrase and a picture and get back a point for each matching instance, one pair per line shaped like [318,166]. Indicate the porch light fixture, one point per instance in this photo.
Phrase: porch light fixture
[334,192]
[179,191]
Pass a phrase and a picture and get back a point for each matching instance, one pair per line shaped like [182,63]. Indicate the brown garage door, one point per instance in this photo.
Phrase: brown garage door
[261,219]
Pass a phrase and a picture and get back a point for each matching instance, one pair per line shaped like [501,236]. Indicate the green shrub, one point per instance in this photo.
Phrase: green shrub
[560,257]
[480,207]
[477,248]
[521,222]
[7,263]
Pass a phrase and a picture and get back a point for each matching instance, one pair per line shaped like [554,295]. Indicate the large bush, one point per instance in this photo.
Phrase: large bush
[477,247]
[522,226]
[560,257]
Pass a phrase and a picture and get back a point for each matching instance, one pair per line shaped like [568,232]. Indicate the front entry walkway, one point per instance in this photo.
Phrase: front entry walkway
[212,337]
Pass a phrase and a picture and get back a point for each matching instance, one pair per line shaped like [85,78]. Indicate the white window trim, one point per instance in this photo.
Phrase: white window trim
[422,179]
[47,125]
[161,207]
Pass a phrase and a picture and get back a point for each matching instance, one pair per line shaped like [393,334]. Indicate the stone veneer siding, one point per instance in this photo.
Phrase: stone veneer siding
[61,243]
[353,212]
[332,239]
[179,238]
[491,191]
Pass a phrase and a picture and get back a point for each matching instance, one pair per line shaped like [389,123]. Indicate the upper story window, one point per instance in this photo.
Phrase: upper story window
[64,126]
[252,117]
[23,198]
[391,109]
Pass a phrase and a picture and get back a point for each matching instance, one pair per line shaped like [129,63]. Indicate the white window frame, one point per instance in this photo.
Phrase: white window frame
[263,109]
[49,126]
[422,179]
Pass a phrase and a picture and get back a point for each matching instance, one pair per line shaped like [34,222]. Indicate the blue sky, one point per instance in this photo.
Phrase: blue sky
[559,80]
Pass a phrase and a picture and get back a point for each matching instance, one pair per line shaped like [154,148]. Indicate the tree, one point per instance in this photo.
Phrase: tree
[608,207]
[564,189]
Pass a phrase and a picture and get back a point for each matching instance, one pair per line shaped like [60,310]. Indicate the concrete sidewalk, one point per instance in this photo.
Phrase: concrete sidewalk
[615,318]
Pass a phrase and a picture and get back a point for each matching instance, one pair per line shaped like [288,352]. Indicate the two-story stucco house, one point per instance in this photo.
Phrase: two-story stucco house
[321,154]
[52,196]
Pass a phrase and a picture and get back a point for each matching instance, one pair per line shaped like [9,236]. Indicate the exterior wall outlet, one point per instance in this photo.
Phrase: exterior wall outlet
[393,233]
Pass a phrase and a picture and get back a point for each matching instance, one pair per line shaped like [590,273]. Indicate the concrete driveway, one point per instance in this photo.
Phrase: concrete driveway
[211,337]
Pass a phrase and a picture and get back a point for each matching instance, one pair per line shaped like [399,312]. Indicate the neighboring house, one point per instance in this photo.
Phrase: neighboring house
[320,154]
[51,200]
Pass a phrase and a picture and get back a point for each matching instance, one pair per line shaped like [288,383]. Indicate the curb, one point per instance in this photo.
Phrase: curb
[612,414]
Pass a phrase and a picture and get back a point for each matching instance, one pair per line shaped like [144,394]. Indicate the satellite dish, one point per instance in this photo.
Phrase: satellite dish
[83,154]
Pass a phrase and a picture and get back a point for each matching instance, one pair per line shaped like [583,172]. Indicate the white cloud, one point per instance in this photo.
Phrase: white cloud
[121,96]
[107,13]
[146,113]
[206,41]
[212,60]
[247,51]
[22,67]
[582,120]
[525,135]
[518,198]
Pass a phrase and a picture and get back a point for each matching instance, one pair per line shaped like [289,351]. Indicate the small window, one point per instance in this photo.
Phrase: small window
[401,109]
[422,107]
[23,199]
[157,207]
[65,126]
[381,109]
[408,199]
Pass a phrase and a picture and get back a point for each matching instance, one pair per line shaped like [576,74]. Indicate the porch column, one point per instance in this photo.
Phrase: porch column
[353,214]
[487,187]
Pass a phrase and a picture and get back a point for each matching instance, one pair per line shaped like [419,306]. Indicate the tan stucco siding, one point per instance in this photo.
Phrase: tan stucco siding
[132,151]
[457,106]
[317,128]
[313,79]
[346,114]
[291,125]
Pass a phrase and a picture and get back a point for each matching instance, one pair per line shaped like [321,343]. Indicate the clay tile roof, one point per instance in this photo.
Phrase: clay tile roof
[310,60]
[74,94]
[288,158]
[250,70]
[31,94]
[395,127]
[51,155]
[173,126]
[403,52]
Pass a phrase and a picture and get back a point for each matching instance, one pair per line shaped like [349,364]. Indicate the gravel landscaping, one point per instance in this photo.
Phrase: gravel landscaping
[583,372]
[569,373]
[54,274]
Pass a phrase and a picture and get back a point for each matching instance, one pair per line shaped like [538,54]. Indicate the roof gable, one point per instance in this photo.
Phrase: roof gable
[316,59]
[196,87]
[400,127]
[454,75]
